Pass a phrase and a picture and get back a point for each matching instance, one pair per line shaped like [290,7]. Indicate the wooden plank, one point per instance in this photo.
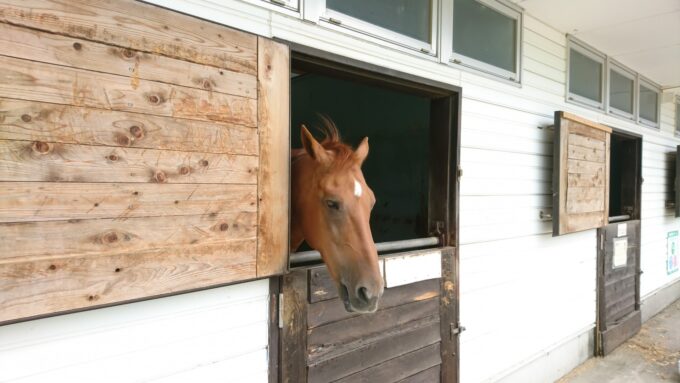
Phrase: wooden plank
[428,376]
[50,239]
[294,331]
[274,340]
[399,368]
[585,200]
[33,81]
[585,142]
[325,341]
[581,120]
[449,315]
[49,201]
[587,167]
[38,287]
[321,285]
[587,132]
[37,121]
[615,336]
[586,180]
[54,162]
[332,310]
[392,345]
[587,154]
[274,169]
[584,221]
[135,25]
[84,54]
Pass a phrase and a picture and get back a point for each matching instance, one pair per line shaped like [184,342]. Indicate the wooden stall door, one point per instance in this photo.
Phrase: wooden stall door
[580,174]
[406,340]
[142,153]
[618,281]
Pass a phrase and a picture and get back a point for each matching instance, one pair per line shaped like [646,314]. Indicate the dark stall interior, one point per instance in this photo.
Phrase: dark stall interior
[397,124]
[624,181]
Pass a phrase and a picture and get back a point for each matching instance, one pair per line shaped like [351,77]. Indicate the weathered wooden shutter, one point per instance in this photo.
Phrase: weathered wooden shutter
[676,182]
[580,174]
[142,152]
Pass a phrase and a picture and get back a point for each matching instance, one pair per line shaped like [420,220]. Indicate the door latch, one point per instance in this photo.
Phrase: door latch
[456,329]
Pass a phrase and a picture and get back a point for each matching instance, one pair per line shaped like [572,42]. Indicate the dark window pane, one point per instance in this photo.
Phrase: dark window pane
[484,34]
[585,76]
[408,17]
[621,90]
[648,103]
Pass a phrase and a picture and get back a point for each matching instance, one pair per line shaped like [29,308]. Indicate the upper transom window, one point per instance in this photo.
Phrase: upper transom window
[586,76]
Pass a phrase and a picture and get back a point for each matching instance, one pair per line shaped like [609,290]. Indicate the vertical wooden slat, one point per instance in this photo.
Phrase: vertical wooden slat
[294,331]
[273,123]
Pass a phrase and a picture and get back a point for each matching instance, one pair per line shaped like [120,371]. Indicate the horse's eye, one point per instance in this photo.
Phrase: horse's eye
[335,205]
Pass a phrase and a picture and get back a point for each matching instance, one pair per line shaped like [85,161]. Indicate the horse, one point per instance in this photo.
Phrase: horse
[331,207]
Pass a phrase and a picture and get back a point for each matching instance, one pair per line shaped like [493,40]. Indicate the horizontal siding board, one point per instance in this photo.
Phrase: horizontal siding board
[48,201]
[39,161]
[150,338]
[138,26]
[87,282]
[51,239]
[32,81]
[55,49]
[37,121]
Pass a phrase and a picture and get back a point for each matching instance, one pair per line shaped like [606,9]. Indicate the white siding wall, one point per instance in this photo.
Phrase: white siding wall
[207,336]
[523,293]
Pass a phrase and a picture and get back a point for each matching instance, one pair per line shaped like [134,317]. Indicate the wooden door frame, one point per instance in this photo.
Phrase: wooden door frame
[443,215]
[600,348]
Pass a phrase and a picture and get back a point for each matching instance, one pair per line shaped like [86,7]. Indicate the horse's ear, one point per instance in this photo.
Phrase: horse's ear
[312,146]
[362,151]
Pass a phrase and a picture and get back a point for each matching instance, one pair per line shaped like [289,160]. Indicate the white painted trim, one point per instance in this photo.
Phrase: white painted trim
[412,268]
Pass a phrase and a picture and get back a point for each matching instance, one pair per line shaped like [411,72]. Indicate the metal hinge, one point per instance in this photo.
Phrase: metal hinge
[335,21]
[456,329]
[602,241]
[460,172]
[280,310]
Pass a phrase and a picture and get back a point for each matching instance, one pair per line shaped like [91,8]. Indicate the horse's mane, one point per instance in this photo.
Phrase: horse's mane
[344,154]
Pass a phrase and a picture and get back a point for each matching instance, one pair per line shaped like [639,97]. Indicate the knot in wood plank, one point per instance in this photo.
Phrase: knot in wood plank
[41,147]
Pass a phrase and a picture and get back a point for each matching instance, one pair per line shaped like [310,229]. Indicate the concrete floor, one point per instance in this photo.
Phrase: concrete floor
[650,356]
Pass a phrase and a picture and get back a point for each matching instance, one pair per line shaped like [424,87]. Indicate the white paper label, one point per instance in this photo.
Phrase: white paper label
[620,252]
[622,229]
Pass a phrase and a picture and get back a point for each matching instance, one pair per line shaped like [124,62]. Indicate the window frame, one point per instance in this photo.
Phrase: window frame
[629,74]
[641,80]
[595,55]
[343,22]
[451,57]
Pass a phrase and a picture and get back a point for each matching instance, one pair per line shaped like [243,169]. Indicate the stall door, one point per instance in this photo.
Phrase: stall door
[409,339]
[618,281]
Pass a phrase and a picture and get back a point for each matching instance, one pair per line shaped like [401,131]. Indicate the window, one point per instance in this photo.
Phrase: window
[621,91]
[648,103]
[586,75]
[409,23]
[486,36]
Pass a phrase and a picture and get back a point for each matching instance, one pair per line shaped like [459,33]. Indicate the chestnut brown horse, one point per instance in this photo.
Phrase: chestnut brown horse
[331,208]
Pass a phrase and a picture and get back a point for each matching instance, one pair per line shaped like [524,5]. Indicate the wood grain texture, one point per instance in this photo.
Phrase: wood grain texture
[49,239]
[324,341]
[581,120]
[33,81]
[428,376]
[84,54]
[294,331]
[392,345]
[333,310]
[400,367]
[50,201]
[274,170]
[581,179]
[38,121]
[31,288]
[135,25]
[54,162]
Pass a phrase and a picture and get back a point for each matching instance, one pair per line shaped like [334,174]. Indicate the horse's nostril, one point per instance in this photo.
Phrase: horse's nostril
[362,294]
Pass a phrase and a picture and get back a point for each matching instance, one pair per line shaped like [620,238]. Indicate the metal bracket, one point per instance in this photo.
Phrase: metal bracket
[456,329]
[280,310]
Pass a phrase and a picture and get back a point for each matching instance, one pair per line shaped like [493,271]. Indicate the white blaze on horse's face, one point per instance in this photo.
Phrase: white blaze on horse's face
[357,189]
